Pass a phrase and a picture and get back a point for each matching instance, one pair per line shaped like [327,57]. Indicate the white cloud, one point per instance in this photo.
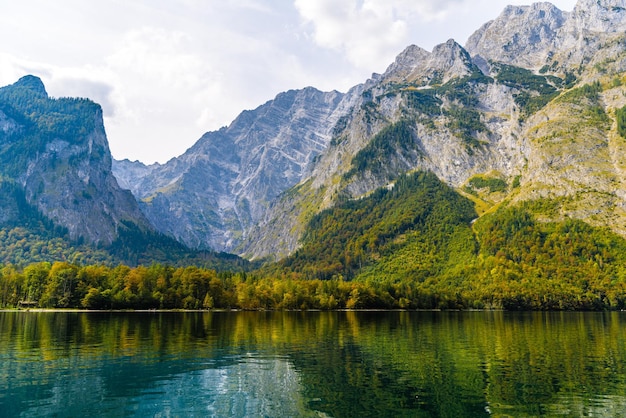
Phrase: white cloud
[61,81]
[80,85]
[173,86]
[166,71]
[429,10]
[369,31]
[363,31]
[162,83]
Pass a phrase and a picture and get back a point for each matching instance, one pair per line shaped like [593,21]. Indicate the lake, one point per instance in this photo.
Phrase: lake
[312,364]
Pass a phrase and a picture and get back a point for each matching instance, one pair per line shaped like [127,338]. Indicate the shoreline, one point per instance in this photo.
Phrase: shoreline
[80,310]
[153,311]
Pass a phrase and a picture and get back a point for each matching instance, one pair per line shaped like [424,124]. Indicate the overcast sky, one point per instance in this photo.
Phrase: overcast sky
[167,71]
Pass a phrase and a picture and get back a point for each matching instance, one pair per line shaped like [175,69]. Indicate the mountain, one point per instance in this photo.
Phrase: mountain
[56,151]
[60,200]
[212,195]
[529,104]
[529,113]
[529,107]
[490,175]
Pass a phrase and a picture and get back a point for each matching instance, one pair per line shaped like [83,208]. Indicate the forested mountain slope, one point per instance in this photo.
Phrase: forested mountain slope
[59,199]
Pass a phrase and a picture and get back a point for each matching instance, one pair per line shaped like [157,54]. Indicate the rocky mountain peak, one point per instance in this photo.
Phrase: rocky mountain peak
[521,35]
[407,62]
[452,59]
[448,60]
[540,34]
[221,187]
[33,84]
[600,15]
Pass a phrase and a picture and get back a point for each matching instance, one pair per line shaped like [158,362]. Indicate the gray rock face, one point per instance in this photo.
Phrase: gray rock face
[131,175]
[85,197]
[605,16]
[542,35]
[221,187]
[63,164]
[413,67]
[422,68]
[521,35]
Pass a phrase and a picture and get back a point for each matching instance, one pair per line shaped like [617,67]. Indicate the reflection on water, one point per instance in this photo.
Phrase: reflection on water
[338,364]
[250,387]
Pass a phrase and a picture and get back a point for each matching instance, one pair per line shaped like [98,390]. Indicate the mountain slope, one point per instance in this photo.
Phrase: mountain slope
[525,112]
[59,199]
[418,212]
[57,151]
[448,118]
[529,105]
[211,196]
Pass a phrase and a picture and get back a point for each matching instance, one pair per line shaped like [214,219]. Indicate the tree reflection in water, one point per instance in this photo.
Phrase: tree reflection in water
[313,363]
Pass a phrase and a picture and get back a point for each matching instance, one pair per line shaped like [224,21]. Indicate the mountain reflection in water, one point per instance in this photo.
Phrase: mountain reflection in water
[337,364]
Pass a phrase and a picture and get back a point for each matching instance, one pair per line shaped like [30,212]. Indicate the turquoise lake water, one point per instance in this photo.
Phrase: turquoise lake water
[312,364]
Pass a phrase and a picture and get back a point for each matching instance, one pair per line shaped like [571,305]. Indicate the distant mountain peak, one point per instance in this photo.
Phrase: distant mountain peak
[533,36]
[447,61]
[32,83]
[600,15]
[450,55]
[520,35]
[407,61]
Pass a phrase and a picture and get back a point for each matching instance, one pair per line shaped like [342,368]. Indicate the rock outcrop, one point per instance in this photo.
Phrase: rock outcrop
[542,36]
[57,152]
[522,35]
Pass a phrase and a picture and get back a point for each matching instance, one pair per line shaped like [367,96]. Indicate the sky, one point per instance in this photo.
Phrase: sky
[167,71]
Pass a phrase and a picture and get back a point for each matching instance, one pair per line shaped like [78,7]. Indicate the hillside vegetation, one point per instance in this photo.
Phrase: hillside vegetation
[413,245]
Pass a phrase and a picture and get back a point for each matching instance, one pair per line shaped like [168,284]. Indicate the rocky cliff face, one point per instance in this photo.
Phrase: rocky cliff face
[521,35]
[220,188]
[598,16]
[421,68]
[573,144]
[57,152]
[542,36]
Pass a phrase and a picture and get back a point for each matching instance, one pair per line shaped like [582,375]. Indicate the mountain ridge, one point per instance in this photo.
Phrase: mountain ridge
[495,114]
[56,149]
[233,162]
[493,111]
